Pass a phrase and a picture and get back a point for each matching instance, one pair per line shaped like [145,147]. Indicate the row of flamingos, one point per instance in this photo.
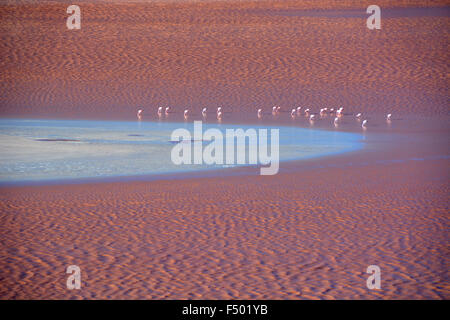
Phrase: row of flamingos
[295,112]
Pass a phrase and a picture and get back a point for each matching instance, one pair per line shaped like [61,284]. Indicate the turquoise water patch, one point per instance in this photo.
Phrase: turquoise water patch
[40,150]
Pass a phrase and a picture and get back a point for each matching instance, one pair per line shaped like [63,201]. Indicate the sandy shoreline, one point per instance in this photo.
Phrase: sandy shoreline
[383,138]
[308,232]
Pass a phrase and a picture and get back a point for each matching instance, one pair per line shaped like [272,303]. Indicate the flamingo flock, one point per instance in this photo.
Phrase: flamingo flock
[295,112]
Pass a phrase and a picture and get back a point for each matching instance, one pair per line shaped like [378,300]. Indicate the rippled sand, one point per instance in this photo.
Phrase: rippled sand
[307,233]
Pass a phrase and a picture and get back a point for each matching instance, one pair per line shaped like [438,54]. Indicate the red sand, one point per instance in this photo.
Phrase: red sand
[308,232]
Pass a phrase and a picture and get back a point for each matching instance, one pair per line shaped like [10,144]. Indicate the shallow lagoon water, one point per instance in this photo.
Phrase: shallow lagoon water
[44,150]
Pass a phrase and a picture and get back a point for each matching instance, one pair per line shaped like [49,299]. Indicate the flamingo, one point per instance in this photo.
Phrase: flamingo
[274,110]
[311,117]
[358,116]
[364,124]
[186,113]
[159,111]
[322,112]
[388,117]
[139,114]
[167,110]
[259,113]
[306,112]
[204,112]
[299,109]
[219,115]
[293,113]
[332,110]
[219,109]
[336,120]
[339,112]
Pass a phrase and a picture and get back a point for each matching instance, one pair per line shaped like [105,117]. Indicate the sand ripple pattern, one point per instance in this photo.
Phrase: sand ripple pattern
[295,236]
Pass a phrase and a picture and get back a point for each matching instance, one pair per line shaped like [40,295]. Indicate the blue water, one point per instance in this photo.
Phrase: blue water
[43,150]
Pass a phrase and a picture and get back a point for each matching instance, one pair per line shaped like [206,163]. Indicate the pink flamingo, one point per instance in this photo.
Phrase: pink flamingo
[274,110]
[363,125]
[336,120]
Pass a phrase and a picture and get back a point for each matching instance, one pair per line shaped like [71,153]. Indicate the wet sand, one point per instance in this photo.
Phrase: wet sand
[308,232]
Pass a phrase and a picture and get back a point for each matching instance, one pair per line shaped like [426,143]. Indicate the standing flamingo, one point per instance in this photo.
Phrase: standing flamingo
[293,111]
[364,124]
[167,110]
[322,112]
[274,110]
[336,120]
[204,112]
[186,113]
[388,117]
[259,113]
